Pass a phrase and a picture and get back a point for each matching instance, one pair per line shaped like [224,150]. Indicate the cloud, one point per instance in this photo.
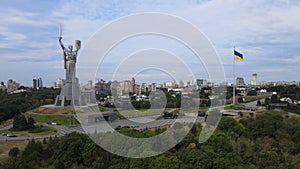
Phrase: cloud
[265,31]
[293,60]
[18,17]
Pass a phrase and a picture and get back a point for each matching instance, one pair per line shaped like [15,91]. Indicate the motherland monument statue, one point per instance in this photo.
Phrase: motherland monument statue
[70,94]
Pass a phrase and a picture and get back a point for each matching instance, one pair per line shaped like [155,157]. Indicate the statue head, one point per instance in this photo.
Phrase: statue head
[70,47]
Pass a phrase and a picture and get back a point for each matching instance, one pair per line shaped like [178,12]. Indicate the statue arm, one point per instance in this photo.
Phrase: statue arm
[77,45]
[64,51]
[61,44]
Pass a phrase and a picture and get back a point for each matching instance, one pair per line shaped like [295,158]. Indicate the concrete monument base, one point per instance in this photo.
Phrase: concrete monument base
[70,95]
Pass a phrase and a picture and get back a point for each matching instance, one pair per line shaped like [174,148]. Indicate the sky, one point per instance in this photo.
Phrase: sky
[267,32]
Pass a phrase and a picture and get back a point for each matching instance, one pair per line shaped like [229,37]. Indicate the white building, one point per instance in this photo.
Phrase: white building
[254,79]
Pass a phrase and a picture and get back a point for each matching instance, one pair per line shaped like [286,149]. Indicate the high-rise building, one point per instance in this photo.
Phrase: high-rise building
[152,87]
[164,85]
[90,85]
[2,86]
[181,84]
[126,86]
[103,88]
[60,83]
[54,85]
[201,83]
[37,83]
[254,79]
[171,84]
[34,83]
[132,89]
[188,83]
[144,87]
[138,89]
[12,85]
[240,81]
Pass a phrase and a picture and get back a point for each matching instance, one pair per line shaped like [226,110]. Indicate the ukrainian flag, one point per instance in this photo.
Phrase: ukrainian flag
[238,56]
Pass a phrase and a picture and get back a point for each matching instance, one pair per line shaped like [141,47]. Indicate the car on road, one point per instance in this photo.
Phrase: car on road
[201,113]
[169,115]
[134,125]
[10,135]
[53,123]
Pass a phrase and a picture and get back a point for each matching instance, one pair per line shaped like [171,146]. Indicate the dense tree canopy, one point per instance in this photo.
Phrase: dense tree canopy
[14,104]
[270,140]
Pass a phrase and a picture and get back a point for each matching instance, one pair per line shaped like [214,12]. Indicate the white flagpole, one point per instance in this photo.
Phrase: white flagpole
[234,80]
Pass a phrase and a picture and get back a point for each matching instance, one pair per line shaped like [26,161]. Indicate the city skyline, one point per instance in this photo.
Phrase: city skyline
[240,81]
[266,32]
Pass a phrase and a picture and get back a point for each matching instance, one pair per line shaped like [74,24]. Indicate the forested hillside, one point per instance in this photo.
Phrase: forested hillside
[268,140]
[13,104]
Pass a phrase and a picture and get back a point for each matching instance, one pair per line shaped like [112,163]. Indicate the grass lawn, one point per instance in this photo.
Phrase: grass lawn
[141,112]
[253,98]
[146,112]
[38,131]
[6,123]
[62,119]
[98,108]
[58,110]
[245,115]
[5,147]
[233,107]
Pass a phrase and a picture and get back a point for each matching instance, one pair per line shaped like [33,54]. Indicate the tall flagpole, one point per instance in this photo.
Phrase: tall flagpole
[234,81]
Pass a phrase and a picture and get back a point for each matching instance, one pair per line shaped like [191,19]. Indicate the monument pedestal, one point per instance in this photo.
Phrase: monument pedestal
[70,95]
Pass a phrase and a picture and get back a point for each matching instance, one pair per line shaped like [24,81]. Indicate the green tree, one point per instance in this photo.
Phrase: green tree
[89,154]
[227,123]
[220,143]
[252,93]
[199,158]
[20,123]
[163,162]
[32,155]
[44,140]
[240,100]
[274,98]
[258,103]
[267,101]
[30,123]
[14,152]
[266,124]
[69,149]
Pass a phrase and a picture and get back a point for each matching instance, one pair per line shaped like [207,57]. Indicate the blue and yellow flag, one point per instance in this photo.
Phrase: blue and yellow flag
[238,56]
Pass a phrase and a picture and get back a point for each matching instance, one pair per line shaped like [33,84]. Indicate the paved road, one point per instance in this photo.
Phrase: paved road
[253,103]
[103,126]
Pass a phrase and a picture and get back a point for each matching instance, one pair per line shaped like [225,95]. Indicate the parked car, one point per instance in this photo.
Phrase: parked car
[118,127]
[201,113]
